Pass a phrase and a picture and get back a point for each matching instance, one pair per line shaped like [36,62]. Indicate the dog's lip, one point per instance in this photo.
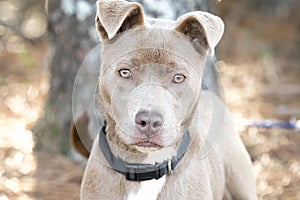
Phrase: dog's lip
[147,144]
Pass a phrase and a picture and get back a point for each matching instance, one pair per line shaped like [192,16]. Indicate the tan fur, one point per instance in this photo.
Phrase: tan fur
[77,141]
[154,52]
[126,16]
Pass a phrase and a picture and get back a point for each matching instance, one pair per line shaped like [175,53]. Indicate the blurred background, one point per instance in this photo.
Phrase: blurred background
[43,44]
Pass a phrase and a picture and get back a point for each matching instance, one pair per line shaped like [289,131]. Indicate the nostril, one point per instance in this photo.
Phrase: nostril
[149,122]
[157,125]
[143,123]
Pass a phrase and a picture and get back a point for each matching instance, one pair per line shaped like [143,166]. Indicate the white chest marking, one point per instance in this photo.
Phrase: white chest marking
[148,190]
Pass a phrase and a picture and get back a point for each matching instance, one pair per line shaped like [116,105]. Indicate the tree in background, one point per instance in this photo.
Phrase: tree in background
[72,36]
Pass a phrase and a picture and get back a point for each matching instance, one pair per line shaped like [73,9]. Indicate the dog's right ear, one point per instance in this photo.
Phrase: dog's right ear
[115,16]
[203,28]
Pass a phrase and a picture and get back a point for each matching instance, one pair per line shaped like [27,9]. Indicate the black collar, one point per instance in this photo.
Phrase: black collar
[142,172]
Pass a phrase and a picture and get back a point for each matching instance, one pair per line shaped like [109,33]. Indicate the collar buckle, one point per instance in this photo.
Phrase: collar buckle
[144,172]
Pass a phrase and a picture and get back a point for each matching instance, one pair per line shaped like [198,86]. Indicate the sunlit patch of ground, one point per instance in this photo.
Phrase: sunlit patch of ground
[26,174]
[21,104]
[252,93]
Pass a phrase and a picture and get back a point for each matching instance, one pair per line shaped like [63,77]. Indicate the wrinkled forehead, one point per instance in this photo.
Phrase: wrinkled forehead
[153,45]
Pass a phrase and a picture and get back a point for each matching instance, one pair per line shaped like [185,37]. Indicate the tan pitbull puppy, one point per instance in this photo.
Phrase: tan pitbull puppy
[157,115]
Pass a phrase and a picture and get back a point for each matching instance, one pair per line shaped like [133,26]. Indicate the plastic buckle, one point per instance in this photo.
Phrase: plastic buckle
[136,172]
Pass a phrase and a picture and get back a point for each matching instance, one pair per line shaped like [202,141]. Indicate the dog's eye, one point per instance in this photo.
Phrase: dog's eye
[178,78]
[125,73]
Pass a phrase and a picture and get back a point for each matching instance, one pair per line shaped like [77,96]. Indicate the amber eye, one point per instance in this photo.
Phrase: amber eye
[178,78]
[125,73]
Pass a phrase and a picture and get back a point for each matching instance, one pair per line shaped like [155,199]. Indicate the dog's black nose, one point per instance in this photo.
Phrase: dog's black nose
[149,122]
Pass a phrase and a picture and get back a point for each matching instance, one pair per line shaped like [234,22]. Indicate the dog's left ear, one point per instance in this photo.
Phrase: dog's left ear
[115,16]
[203,28]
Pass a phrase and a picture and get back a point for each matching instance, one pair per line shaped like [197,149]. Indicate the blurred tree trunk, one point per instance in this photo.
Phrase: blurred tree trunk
[70,41]
[70,25]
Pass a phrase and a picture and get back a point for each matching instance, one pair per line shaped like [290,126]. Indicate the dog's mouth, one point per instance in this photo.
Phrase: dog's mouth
[147,146]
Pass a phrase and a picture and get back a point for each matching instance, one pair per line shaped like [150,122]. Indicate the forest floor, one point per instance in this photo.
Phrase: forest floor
[251,92]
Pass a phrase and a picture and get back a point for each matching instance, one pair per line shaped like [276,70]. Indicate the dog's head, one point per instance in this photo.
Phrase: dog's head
[151,71]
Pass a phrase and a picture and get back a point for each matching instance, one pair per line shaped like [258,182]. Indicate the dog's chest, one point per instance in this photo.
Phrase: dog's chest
[148,190]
